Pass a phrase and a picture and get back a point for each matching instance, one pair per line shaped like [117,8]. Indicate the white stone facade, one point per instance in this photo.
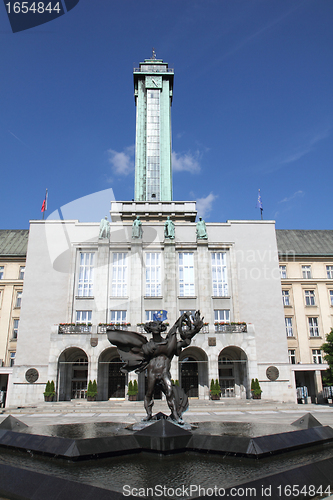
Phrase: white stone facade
[51,296]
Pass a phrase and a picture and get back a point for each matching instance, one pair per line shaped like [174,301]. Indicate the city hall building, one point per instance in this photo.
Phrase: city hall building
[153,255]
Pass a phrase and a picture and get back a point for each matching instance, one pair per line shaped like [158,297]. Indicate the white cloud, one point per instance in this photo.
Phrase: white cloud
[205,205]
[187,162]
[295,195]
[122,162]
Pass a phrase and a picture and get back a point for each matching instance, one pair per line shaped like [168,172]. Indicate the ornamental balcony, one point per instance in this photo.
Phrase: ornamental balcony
[221,327]
[113,326]
[66,328]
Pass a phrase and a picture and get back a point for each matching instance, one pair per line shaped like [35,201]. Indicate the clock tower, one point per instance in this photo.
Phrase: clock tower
[153,85]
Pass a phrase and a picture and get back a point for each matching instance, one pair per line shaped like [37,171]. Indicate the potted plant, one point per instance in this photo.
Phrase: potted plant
[92,390]
[49,392]
[255,389]
[132,390]
[215,390]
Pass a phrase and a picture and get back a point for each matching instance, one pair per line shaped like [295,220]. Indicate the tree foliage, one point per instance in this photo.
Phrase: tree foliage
[327,347]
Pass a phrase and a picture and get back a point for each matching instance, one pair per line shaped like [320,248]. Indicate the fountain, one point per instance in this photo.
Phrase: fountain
[162,456]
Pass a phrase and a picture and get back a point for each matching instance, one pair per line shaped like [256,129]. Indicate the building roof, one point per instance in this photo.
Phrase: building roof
[299,242]
[13,242]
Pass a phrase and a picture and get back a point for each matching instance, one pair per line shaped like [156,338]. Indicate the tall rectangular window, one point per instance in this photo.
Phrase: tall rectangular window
[313,327]
[153,144]
[153,274]
[286,297]
[15,328]
[83,317]
[309,298]
[150,315]
[219,274]
[306,272]
[86,274]
[2,269]
[186,274]
[331,297]
[292,356]
[18,299]
[329,271]
[289,327]
[12,358]
[119,275]
[316,356]
[22,271]
[118,316]
[283,272]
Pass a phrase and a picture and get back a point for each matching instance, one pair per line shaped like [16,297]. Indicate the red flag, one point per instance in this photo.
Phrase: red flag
[44,206]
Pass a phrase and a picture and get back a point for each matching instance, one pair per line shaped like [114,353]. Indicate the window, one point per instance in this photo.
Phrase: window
[150,314]
[316,356]
[329,271]
[289,327]
[186,274]
[292,356]
[15,328]
[286,297]
[119,275]
[331,297]
[86,275]
[219,274]
[18,299]
[313,327]
[309,298]
[22,271]
[153,275]
[83,317]
[1,272]
[306,272]
[118,316]
[12,358]
[283,272]
[222,315]
[190,311]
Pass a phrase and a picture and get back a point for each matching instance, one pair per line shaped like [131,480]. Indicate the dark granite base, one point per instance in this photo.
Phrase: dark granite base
[164,437]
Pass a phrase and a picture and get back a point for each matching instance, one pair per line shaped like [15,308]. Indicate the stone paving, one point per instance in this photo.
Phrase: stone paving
[81,411]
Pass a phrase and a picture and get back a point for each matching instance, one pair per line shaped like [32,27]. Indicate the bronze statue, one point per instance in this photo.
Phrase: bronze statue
[156,355]
[169,229]
[137,228]
[201,229]
[104,228]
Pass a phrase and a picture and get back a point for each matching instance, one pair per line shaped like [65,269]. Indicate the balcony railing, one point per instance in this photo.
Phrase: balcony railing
[65,328]
[113,326]
[230,327]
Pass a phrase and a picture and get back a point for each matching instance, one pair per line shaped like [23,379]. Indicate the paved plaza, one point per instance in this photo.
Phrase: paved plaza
[230,410]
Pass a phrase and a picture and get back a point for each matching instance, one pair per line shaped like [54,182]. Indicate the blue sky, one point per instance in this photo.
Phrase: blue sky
[252,107]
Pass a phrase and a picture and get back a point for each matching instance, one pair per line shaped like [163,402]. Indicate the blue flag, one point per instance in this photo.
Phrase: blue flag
[259,202]
[160,315]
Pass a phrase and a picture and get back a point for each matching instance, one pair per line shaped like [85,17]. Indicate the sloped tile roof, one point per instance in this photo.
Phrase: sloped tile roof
[305,242]
[13,242]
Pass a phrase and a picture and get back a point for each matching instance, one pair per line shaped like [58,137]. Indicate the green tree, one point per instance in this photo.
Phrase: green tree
[327,347]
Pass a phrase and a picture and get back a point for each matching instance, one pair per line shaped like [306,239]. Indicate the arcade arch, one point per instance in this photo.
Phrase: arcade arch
[111,381]
[233,377]
[72,374]
[193,371]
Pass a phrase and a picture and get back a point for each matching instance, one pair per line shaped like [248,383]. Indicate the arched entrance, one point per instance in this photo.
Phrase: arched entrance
[73,374]
[233,378]
[111,381]
[189,376]
[193,372]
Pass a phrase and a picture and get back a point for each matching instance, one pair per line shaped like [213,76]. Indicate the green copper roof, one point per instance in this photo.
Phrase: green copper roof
[305,242]
[13,242]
